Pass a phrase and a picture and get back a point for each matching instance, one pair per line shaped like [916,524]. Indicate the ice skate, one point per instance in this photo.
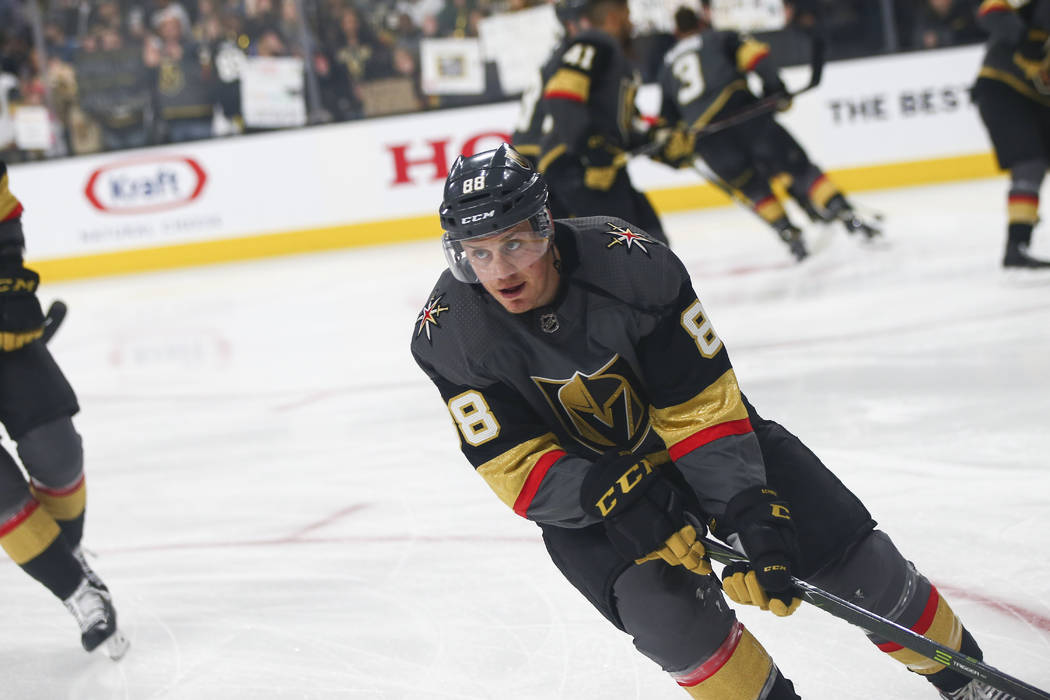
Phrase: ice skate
[78,554]
[793,237]
[1017,257]
[870,227]
[93,610]
[976,690]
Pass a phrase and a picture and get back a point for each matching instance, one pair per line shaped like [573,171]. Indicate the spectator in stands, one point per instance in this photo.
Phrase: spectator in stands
[945,23]
[114,88]
[454,19]
[183,84]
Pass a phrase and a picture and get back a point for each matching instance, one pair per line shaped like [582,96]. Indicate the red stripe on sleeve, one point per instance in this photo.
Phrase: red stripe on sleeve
[701,438]
[992,8]
[920,627]
[754,61]
[557,95]
[1026,198]
[15,213]
[532,482]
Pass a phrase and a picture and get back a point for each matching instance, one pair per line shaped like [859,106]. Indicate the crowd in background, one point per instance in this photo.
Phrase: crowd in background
[119,74]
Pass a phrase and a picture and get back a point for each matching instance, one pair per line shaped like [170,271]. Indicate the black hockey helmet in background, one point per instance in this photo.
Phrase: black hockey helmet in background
[485,195]
[569,11]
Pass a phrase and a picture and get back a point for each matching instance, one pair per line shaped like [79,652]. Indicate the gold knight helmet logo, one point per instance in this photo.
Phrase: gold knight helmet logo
[602,409]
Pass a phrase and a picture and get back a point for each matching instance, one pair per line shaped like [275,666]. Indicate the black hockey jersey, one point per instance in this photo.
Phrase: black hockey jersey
[625,358]
[705,74]
[1010,23]
[533,120]
[589,97]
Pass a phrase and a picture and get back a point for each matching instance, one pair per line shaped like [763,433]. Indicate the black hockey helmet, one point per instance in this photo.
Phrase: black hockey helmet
[486,196]
[569,10]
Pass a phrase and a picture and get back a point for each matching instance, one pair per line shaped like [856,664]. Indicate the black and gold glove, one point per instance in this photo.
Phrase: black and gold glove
[763,523]
[643,512]
[21,318]
[676,146]
[1032,58]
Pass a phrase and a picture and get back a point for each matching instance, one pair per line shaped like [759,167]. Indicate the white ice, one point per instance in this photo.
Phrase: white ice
[278,503]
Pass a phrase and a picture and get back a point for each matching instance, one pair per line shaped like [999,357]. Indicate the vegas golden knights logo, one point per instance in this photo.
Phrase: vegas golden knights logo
[601,410]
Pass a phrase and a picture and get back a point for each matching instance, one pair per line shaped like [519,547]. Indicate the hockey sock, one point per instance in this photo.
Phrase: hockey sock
[31,537]
[772,212]
[740,669]
[66,505]
[823,193]
[936,621]
[1022,209]
[948,680]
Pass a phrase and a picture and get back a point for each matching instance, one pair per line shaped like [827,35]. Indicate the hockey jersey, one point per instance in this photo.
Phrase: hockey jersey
[1010,23]
[705,75]
[625,358]
[589,97]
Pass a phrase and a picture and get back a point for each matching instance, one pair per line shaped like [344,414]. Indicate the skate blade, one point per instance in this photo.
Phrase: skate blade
[116,646]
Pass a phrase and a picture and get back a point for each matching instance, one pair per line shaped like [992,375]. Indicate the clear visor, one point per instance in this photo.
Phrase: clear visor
[498,255]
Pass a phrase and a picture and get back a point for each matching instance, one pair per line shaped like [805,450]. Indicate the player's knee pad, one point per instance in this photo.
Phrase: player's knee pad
[1027,176]
[14,492]
[875,576]
[871,574]
[675,617]
[53,454]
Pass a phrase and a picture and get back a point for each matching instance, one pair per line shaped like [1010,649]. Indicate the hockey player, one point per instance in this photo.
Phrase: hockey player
[42,519]
[1013,96]
[591,123]
[593,395]
[704,80]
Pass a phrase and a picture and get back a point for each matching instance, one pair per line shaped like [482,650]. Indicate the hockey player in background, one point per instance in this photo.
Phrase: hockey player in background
[593,395]
[590,120]
[1013,96]
[704,80]
[42,517]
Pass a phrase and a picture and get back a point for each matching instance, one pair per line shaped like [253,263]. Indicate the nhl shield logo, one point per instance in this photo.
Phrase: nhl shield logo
[600,410]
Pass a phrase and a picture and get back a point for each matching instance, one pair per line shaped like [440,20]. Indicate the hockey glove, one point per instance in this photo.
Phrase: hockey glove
[763,523]
[21,318]
[1031,57]
[676,146]
[776,89]
[643,512]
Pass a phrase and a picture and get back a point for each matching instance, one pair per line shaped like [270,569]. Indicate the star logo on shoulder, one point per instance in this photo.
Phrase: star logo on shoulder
[627,237]
[429,316]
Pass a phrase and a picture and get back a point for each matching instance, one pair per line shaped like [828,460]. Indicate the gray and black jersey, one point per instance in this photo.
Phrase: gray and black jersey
[625,358]
[705,74]
[588,93]
[1009,24]
[533,120]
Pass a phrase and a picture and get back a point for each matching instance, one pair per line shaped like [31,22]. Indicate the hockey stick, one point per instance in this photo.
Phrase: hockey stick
[891,631]
[768,104]
[56,313]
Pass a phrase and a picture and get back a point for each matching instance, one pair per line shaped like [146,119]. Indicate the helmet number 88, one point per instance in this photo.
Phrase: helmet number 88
[474,184]
[474,418]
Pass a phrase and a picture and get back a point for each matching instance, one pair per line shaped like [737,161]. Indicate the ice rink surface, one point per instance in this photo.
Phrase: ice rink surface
[278,503]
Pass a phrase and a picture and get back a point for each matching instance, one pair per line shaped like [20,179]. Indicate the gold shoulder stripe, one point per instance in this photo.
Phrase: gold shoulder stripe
[718,403]
[749,54]
[568,84]
[507,473]
[994,6]
[10,207]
